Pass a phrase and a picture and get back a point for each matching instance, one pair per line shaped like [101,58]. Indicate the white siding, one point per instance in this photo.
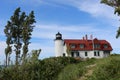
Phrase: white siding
[90,54]
[65,50]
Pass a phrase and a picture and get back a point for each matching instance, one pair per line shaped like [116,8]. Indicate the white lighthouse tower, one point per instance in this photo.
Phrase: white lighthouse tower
[58,45]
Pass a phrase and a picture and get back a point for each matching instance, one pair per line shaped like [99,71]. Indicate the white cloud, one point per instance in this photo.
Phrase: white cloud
[95,8]
[49,31]
[92,7]
[75,32]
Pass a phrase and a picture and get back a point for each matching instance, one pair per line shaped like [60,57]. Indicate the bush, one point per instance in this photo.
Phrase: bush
[46,69]
[54,65]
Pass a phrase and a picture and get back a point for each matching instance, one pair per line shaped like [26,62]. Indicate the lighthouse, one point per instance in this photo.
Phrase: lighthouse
[58,45]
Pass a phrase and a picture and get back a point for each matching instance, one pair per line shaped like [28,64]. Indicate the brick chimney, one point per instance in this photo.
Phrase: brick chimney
[86,37]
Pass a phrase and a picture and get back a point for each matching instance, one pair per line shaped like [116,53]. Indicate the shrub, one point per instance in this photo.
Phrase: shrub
[54,65]
[46,69]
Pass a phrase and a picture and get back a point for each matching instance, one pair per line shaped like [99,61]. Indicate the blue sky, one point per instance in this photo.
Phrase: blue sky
[73,18]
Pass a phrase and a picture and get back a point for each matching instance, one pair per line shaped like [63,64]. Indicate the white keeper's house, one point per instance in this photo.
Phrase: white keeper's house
[84,48]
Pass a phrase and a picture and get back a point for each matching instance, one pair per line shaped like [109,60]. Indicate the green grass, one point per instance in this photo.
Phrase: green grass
[75,71]
[104,69]
[46,69]
[65,68]
[107,69]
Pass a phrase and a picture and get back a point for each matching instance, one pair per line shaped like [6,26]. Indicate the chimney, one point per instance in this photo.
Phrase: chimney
[86,37]
[83,38]
[91,37]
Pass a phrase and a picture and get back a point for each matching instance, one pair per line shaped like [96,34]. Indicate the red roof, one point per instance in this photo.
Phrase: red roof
[88,44]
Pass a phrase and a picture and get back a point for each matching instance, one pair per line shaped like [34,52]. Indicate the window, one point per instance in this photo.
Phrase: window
[105,46]
[107,52]
[98,53]
[94,53]
[96,45]
[63,54]
[72,45]
[77,54]
[81,45]
[72,54]
[86,54]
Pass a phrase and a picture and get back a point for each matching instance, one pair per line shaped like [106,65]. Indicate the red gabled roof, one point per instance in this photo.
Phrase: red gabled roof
[88,44]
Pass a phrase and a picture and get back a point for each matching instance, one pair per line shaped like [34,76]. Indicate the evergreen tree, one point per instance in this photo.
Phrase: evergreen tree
[116,5]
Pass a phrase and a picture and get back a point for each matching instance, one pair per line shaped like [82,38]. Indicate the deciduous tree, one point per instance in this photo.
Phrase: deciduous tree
[18,32]
[8,49]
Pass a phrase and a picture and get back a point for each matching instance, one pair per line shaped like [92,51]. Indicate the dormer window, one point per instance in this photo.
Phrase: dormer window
[72,45]
[105,46]
[96,45]
[81,46]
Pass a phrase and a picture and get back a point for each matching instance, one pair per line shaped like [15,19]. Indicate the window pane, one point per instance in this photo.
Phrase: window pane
[105,46]
[72,45]
[96,45]
[85,53]
[98,53]
[94,53]
[81,45]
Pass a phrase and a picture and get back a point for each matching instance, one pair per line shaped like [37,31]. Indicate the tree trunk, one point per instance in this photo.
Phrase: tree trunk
[6,62]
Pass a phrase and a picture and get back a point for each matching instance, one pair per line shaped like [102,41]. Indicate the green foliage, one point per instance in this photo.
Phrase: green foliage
[54,65]
[71,72]
[46,69]
[26,32]
[113,3]
[8,49]
[63,68]
[107,69]
[75,71]
[18,32]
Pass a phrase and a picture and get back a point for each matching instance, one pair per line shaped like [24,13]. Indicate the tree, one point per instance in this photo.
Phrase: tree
[20,28]
[8,50]
[16,30]
[35,54]
[26,33]
[116,5]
